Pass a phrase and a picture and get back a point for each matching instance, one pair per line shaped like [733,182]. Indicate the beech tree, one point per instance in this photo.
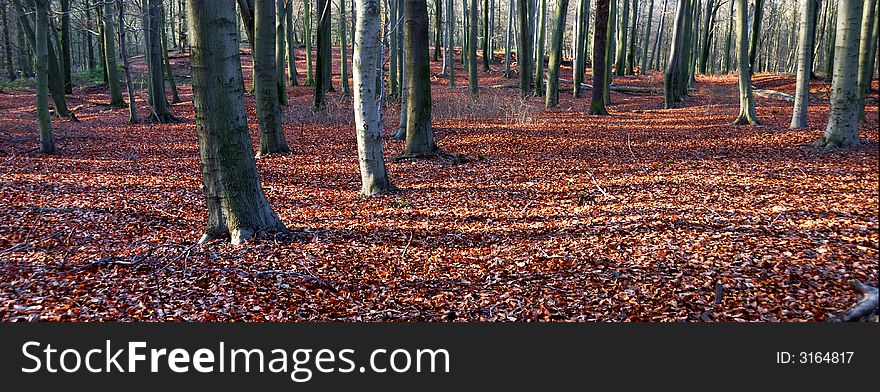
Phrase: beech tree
[265,86]
[746,99]
[580,55]
[41,52]
[805,54]
[552,98]
[233,195]
[524,57]
[155,76]
[126,65]
[419,135]
[843,116]
[473,86]
[280,51]
[867,47]
[367,46]
[672,75]
[600,51]
[109,32]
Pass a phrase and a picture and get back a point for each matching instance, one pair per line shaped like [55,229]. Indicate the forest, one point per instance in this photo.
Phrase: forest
[439,160]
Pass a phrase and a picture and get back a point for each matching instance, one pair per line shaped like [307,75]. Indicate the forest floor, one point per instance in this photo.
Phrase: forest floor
[647,214]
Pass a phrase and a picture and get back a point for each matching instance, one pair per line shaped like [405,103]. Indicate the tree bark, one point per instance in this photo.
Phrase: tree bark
[620,62]
[487,53]
[757,19]
[746,99]
[343,50]
[438,28]
[155,76]
[65,46]
[280,51]
[7,45]
[307,31]
[524,56]
[473,85]
[169,75]
[41,52]
[110,56]
[541,53]
[450,42]
[233,195]
[269,114]
[419,135]
[132,106]
[867,45]
[291,44]
[805,54]
[371,156]
[600,31]
[843,116]
[643,69]
[580,51]
[552,98]
[671,77]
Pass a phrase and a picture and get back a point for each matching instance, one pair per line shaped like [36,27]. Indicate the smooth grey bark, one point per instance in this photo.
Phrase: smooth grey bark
[438,28]
[728,40]
[419,134]
[41,52]
[64,41]
[671,77]
[552,98]
[166,63]
[394,13]
[843,119]
[307,32]
[656,55]
[746,99]
[805,53]
[110,56]
[524,58]
[343,50]
[540,53]
[600,51]
[7,45]
[633,34]
[155,76]
[450,42]
[291,45]
[126,65]
[580,51]
[473,85]
[620,62]
[368,127]
[280,51]
[233,196]
[757,20]
[269,114]
[323,58]
[610,39]
[487,52]
[508,40]
[643,69]
[867,45]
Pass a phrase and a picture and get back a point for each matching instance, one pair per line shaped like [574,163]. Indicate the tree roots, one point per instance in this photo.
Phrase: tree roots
[866,307]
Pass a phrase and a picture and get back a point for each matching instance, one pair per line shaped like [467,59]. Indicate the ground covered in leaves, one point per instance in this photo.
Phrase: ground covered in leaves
[644,215]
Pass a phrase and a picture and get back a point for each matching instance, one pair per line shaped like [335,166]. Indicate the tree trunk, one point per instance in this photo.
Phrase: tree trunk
[169,75]
[729,39]
[269,114]
[343,50]
[540,54]
[438,29]
[41,52]
[610,39]
[867,44]
[291,44]
[620,62]
[419,135]
[10,69]
[508,40]
[643,69]
[325,23]
[307,31]
[631,46]
[708,25]
[367,45]
[552,98]
[656,55]
[487,53]
[110,56]
[757,19]
[155,77]
[65,46]
[473,85]
[450,42]
[132,106]
[280,51]
[580,51]
[843,116]
[671,77]
[746,100]
[805,53]
[524,56]
[233,195]
[600,31]
[394,13]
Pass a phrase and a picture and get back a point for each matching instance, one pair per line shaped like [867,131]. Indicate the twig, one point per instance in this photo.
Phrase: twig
[600,188]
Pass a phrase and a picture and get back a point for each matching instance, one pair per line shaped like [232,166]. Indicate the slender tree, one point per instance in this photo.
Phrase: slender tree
[473,86]
[867,46]
[367,45]
[620,63]
[126,65]
[805,54]
[280,51]
[65,39]
[746,100]
[524,56]
[539,47]
[631,46]
[419,135]
[291,44]
[7,45]
[438,28]
[600,50]
[552,98]
[343,50]
[450,41]
[508,40]
[487,53]
[757,20]
[109,31]
[580,51]
[155,77]
[671,77]
[234,198]
[643,69]
[41,52]
[322,60]
[728,40]
[269,114]
[307,31]
[166,62]
[843,116]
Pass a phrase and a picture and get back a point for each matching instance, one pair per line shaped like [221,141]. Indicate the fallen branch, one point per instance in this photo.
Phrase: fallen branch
[865,308]
[773,94]
[297,275]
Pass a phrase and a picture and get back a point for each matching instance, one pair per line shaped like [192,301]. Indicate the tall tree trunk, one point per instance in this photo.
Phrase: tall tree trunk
[843,116]
[169,75]
[643,69]
[322,60]
[620,62]
[729,39]
[291,44]
[394,13]
[10,69]
[473,85]
[671,77]
[155,78]
[580,51]
[419,135]
[234,198]
[438,28]
[110,56]
[610,39]
[631,46]
[90,48]
[280,51]
[552,98]
[307,31]
[600,33]
[757,19]
[524,56]
[343,50]
[657,42]
[540,53]
[708,25]
[65,46]
[269,114]
[367,45]
[41,52]
[123,50]
[805,54]
[450,42]
[746,100]
[487,53]
[325,23]
[867,45]
[508,40]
